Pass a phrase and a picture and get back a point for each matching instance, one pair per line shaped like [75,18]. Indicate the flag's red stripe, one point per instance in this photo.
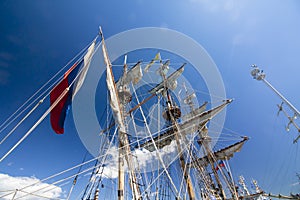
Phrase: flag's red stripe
[58,114]
[58,111]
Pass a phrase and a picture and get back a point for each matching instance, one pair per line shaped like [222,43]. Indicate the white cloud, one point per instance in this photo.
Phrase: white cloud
[142,159]
[10,183]
[111,165]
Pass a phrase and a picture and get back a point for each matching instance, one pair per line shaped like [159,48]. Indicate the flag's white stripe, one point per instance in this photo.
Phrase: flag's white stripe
[87,60]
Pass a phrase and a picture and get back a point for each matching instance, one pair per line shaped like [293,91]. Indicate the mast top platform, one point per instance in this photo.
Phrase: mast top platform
[257,73]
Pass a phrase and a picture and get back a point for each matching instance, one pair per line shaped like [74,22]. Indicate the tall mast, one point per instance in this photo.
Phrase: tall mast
[125,95]
[117,106]
[261,76]
[172,113]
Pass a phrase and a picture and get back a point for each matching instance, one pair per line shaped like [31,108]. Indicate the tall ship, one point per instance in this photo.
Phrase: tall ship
[154,141]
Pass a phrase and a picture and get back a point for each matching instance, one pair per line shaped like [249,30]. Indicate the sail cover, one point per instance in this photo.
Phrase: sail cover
[73,79]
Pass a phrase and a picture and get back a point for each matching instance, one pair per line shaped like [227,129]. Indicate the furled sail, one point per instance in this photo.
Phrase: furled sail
[164,68]
[222,154]
[169,81]
[194,112]
[114,100]
[191,124]
[195,121]
[134,75]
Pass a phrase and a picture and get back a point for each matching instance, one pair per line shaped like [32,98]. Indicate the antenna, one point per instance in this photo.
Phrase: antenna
[259,75]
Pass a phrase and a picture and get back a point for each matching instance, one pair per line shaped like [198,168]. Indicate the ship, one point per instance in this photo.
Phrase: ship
[155,144]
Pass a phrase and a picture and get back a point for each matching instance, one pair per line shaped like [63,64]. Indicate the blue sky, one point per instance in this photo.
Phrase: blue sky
[37,38]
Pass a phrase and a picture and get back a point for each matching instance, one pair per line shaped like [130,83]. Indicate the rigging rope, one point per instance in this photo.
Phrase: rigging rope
[37,195]
[142,177]
[101,165]
[74,167]
[36,124]
[156,149]
[163,171]
[75,179]
[23,119]
[59,181]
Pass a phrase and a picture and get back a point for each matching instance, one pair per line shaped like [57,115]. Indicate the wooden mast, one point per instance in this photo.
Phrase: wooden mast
[172,114]
[124,148]
[124,141]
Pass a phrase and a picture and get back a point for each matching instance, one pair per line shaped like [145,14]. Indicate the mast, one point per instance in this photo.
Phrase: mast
[261,76]
[171,114]
[117,106]
[124,147]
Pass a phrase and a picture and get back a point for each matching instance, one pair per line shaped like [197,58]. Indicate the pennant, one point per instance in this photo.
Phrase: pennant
[69,85]
[157,57]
